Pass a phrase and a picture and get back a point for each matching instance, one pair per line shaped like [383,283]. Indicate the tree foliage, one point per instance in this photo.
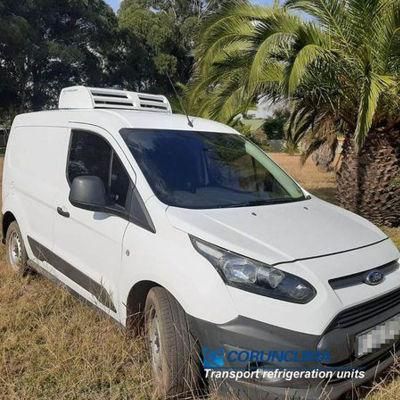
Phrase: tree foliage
[338,69]
[275,125]
[48,44]
[168,32]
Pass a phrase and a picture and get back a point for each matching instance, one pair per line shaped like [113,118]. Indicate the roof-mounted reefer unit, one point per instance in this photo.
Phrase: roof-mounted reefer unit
[82,97]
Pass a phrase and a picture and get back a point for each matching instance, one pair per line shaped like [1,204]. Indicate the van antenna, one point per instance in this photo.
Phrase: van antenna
[190,123]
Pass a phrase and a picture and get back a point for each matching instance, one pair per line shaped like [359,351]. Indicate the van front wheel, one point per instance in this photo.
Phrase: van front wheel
[16,255]
[174,353]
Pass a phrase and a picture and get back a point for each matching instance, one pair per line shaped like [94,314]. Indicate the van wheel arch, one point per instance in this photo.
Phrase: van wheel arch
[8,218]
[135,306]
[175,353]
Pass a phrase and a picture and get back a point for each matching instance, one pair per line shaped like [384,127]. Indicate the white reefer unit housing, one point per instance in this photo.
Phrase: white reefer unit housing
[81,97]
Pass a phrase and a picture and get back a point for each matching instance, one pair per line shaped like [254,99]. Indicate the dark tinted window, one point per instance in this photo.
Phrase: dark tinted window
[90,154]
[208,169]
[119,184]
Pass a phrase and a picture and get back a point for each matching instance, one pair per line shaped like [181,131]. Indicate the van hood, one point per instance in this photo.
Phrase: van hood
[280,232]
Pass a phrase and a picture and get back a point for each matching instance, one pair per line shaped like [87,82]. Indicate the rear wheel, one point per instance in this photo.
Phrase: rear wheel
[17,258]
[174,353]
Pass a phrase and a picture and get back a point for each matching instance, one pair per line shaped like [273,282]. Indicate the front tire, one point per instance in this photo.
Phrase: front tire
[174,353]
[16,255]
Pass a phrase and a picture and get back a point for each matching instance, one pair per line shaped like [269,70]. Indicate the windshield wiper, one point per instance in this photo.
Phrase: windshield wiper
[266,202]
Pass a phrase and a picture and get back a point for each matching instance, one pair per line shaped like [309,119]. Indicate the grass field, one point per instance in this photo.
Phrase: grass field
[54,347]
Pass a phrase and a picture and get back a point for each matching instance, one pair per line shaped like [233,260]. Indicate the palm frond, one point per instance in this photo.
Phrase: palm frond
[372,88]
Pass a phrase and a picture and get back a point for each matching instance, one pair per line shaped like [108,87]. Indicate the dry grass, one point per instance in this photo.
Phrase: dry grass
[54,347]
[394,233]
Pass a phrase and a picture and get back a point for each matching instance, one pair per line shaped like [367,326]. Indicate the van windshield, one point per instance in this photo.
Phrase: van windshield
[208,169]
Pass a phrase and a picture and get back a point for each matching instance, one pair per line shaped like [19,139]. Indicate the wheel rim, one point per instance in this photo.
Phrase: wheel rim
[15,250]
[155,345]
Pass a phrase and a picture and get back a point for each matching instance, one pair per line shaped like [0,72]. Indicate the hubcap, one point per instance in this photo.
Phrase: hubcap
[155,345]
[15,250]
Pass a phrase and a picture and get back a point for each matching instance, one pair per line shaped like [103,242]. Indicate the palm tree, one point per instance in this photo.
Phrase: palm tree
[338,68]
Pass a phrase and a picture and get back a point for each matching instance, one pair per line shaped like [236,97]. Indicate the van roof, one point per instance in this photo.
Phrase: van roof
[114,109]
[111,119]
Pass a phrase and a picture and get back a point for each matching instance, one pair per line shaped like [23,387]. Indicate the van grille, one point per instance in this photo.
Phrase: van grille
[357,279]
[365,311]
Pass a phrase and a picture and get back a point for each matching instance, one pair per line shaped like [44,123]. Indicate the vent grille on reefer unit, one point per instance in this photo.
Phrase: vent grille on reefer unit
[78,97]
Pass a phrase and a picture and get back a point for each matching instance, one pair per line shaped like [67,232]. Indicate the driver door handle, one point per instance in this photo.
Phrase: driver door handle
[63,213]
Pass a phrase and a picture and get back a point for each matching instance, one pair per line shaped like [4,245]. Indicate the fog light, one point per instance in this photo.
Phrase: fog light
[266,373]
[268,376]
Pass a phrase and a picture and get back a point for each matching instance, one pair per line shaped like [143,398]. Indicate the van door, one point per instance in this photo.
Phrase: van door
[87,244]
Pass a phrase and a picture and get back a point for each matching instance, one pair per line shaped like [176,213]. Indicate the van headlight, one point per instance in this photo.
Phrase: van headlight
[253,276]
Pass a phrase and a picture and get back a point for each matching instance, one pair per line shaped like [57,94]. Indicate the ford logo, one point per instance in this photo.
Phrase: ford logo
[374,278]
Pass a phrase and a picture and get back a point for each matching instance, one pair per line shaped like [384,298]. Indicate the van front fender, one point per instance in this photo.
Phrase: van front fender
[172,262]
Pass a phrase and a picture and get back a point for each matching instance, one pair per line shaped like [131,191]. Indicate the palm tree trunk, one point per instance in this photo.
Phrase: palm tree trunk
[369,181]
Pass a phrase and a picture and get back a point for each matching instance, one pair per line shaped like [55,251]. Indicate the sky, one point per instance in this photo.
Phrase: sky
[115,3]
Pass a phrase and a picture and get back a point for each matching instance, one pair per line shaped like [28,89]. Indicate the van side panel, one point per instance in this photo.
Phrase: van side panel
[34,163]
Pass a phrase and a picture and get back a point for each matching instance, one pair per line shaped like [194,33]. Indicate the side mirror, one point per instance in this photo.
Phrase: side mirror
[89,193]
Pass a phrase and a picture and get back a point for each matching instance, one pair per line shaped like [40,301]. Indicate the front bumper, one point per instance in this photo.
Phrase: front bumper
[250,335]
[321,391]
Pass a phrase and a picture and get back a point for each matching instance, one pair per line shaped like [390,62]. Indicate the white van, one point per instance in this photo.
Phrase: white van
[183,221]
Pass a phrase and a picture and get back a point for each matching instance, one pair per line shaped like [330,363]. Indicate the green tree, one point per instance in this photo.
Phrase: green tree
[46,45]
[339,71]
[168,32]
[274,125]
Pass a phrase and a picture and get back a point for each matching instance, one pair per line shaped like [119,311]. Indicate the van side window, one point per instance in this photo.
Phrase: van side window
[119,182]
[90,154]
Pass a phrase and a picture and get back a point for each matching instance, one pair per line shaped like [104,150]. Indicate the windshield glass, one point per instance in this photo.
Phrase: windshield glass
[208,169]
